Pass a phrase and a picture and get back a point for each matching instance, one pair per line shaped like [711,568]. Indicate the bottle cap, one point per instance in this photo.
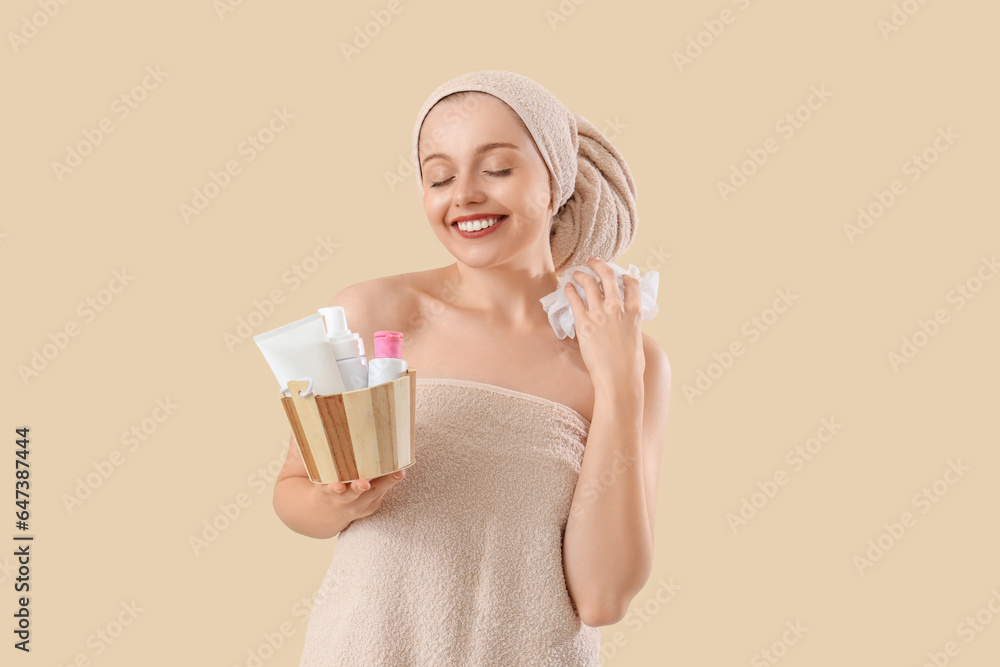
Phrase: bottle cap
[334,318]
[388,344]
[346,344]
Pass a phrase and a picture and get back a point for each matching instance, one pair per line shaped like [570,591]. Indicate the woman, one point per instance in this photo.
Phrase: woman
[527,520]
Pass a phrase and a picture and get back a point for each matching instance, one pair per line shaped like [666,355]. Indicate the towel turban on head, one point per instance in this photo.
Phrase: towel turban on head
[593,194]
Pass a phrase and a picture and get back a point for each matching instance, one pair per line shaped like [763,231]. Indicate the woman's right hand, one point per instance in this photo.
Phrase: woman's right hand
[360,497]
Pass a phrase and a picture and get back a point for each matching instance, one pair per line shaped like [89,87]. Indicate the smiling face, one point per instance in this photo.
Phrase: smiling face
[479,163]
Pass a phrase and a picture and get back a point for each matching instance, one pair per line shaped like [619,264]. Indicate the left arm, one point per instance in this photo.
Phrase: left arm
[608,542]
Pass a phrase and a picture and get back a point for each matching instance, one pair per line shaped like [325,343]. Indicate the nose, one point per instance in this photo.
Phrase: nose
[468,189]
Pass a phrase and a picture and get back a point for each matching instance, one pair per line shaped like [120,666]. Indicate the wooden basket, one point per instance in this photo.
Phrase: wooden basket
[357,434]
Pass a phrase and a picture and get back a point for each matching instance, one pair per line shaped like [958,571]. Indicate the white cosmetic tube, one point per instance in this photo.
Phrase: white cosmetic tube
[300,350]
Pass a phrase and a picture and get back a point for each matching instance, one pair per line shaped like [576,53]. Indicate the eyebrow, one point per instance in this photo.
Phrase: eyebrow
[482,148]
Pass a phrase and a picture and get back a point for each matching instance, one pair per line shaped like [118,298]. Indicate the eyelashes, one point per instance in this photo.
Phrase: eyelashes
[502,172]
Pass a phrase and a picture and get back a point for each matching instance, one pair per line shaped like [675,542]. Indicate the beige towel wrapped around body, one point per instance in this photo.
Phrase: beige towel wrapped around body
[461,565]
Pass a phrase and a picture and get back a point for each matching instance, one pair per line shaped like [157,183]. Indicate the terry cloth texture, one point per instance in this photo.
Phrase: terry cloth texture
[461,565]
[593,194]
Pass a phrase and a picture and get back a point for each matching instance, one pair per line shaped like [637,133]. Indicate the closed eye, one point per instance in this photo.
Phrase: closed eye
[502,172]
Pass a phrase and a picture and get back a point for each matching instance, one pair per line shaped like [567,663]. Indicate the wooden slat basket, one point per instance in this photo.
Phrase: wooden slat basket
[357,434]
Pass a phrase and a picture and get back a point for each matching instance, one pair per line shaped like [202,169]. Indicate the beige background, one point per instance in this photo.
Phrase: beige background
[161,337]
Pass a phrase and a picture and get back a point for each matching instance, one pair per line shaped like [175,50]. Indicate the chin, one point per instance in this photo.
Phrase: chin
[478,260]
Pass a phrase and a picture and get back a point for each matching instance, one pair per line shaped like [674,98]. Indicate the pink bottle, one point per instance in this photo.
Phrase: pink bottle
[387,364]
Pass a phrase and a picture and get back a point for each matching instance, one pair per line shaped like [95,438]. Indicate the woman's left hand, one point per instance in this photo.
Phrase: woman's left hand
[608,327]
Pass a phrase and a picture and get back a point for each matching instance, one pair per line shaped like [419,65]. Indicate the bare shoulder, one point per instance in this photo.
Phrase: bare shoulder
[384,303]
[364,298]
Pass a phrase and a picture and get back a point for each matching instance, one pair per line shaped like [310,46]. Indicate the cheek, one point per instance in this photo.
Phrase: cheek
[533,196]
[435,206]
[430,201]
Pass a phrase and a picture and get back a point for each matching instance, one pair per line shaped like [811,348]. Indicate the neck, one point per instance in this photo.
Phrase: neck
[507,294]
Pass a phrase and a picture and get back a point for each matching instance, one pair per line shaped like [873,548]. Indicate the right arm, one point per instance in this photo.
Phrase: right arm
[303,505]
[324,510]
